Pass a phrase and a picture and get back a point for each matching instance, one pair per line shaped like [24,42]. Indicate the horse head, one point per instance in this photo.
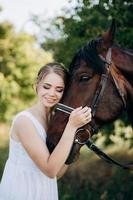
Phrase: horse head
[99,77]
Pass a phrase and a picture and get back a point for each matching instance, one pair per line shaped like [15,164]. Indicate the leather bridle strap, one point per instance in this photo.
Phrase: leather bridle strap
[119,89]
[105,157]
[99,93]
[103,81]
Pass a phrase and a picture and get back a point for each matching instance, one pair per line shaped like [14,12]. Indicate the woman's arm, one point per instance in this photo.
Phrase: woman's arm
[62,171]
[49,164]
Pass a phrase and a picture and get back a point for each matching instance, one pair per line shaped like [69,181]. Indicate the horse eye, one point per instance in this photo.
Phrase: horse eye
[84,78]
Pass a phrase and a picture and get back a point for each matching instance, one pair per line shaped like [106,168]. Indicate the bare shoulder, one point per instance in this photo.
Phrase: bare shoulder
[23,122]
[31,141]
[24,128]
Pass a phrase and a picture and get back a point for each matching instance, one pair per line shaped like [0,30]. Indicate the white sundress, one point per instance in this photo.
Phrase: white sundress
[22,179]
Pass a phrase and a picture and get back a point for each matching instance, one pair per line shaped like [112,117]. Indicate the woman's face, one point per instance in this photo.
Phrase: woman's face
[50,89]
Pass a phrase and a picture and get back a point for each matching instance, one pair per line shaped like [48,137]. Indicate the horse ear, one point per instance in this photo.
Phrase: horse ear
[108,37]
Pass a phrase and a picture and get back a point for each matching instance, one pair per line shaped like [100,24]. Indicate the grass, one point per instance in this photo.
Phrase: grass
[90,178]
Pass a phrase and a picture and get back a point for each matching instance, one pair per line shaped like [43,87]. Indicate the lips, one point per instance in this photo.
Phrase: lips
[50,100]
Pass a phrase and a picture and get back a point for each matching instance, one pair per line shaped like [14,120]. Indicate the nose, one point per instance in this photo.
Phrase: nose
[52,92]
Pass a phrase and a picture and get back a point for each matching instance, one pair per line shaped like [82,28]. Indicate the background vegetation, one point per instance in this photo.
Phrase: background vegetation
[21,55]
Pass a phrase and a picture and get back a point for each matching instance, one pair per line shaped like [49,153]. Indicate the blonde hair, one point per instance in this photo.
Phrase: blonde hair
[57,68]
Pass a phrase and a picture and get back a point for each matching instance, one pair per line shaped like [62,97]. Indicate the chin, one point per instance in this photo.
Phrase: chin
[50,105]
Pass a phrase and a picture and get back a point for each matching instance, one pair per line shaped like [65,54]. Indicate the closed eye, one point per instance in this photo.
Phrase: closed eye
[60,90]
[46,87]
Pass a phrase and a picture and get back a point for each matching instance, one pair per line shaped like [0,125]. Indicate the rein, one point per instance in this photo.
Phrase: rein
[66,109]
[95,102]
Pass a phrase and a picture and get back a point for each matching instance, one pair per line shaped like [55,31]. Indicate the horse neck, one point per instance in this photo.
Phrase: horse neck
[123,60]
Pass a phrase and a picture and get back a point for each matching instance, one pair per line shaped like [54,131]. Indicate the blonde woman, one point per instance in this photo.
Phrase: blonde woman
[30,171]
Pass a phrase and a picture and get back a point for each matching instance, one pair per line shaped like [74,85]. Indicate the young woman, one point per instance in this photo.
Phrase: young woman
[30,171]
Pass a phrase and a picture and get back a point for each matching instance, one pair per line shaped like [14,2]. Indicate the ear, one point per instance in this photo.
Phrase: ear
[35,87]
[108,37]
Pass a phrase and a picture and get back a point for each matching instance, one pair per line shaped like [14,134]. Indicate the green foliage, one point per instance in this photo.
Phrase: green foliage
[86,21]
[4,144]
[82,23]
[20,59]
[3,157]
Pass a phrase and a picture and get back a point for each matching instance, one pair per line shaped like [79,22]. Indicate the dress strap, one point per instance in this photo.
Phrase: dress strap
[37,124]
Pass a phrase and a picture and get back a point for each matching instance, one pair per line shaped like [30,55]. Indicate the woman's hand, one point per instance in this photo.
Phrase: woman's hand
[79,117]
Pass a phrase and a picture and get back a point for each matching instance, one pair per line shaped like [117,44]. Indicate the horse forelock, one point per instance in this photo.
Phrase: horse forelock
[90,55]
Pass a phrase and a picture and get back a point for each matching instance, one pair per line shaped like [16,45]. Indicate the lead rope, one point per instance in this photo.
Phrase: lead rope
[105,157]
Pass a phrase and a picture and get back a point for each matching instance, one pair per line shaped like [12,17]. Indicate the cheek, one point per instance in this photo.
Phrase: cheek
[40,92]
[59,95]
[38,89]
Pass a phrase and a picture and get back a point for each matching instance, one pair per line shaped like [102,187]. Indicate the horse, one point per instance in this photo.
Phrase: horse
[101,77]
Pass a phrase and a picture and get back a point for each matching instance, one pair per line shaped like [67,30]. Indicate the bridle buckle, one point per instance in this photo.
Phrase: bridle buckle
[79,132]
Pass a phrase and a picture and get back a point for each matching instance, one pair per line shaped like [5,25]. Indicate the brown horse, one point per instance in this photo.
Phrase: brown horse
[101,77]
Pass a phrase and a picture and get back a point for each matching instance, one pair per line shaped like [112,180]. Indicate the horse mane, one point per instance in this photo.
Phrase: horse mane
[90,55]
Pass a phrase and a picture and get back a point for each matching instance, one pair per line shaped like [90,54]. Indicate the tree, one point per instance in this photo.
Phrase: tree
[84,22]
[20,59]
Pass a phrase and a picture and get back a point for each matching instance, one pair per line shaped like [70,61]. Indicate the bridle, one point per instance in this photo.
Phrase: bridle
[97,97]
[95,102]
[102,84]
[103,81]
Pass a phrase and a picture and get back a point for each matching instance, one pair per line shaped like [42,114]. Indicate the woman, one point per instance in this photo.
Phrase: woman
[30,171]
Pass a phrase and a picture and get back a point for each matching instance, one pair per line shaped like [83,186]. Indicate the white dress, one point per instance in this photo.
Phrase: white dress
[22,179]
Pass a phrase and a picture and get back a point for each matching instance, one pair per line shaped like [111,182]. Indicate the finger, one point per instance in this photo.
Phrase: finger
[89,117]
[76,110]
[87,120]
[87,114]
[86,109]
